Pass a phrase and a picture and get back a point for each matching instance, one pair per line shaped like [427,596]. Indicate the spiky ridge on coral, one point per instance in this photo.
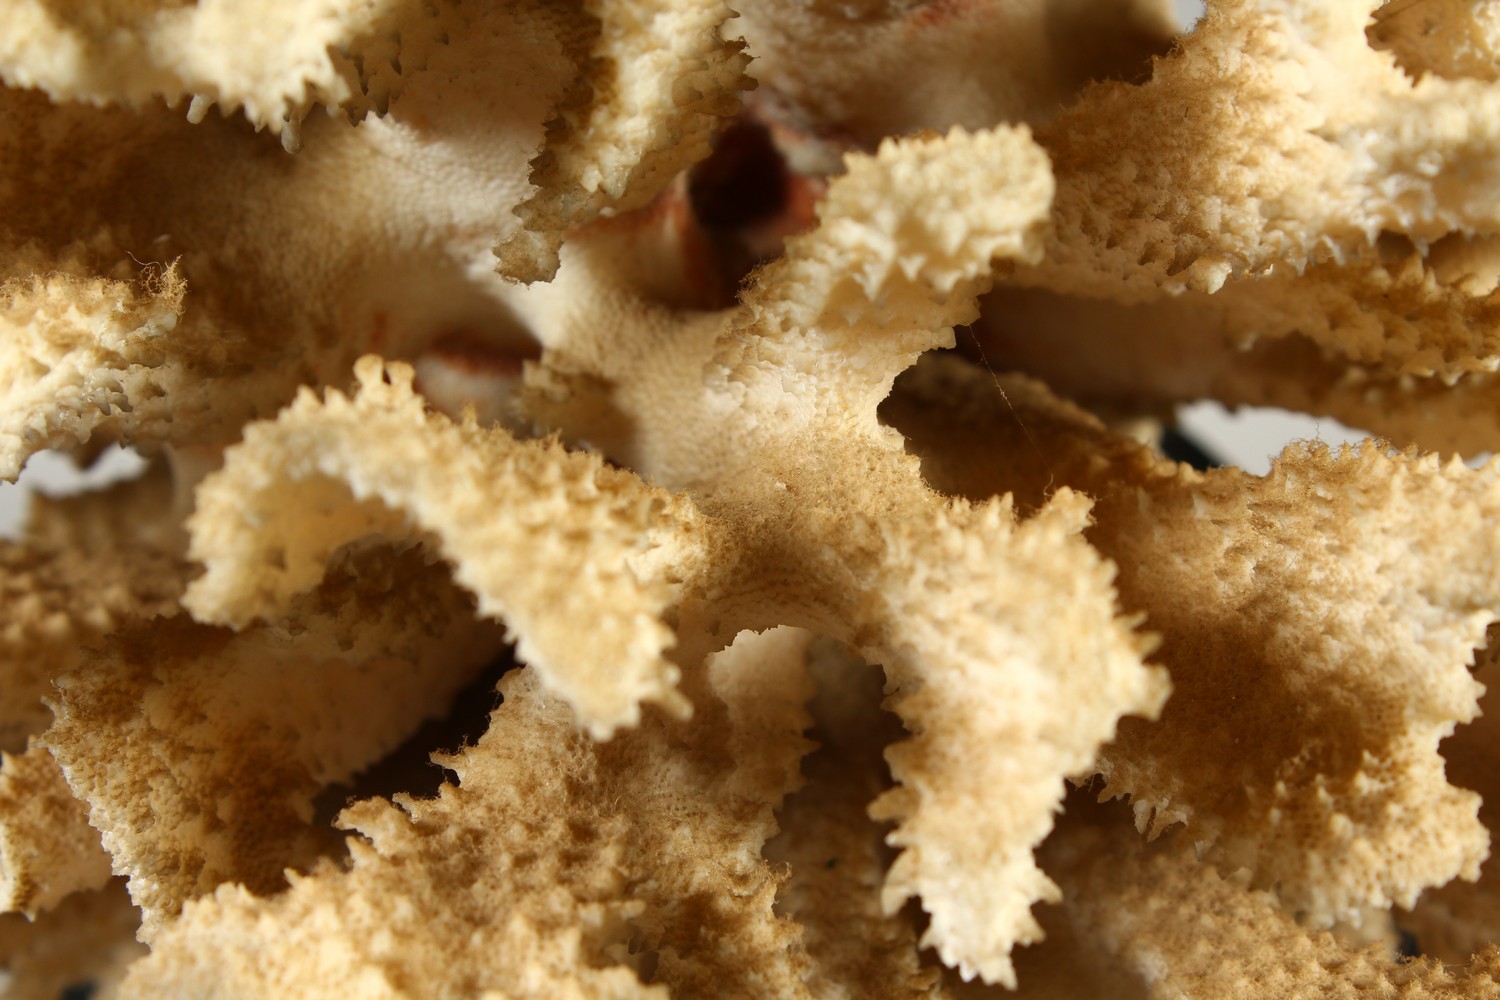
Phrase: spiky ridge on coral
[713,513]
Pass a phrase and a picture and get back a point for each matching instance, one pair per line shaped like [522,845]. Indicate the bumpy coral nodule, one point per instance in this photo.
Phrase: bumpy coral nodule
[640,503]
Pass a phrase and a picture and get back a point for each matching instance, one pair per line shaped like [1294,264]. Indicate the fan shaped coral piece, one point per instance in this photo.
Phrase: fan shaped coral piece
[1331,578]
[1317,627]
[1351,212]
[557,866]
[199,751]
[543,538]
[813,516]
[1310,94]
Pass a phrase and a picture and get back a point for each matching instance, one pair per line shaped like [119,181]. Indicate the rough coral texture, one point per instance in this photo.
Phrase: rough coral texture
[600,854]
[225,739]
[653,500]
[1458,919]
[839,66]
[1301,171]
[1314,675]
[48,851]
[574,539]
[933,590]
[84,567]
[836,854]
[274,60]
[1190,933]
[122,315]
[657,75]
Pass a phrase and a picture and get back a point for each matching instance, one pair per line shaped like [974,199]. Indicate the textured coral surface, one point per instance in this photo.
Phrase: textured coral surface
[651,499]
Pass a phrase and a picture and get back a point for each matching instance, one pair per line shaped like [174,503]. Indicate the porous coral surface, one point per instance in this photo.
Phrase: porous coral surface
[652,499]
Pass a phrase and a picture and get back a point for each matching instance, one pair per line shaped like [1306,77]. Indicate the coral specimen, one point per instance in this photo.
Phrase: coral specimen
[647,843]
[1221,938]
[48,851]
[574,539]
[601,354]
[1313,674]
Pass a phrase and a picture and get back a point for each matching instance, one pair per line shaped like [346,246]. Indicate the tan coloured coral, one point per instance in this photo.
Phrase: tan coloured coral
[274,60]
[808,634]
[814,421]
[1293,171]
[839,65]
[187,731]
[122,316]
[1313,675]
[1462,917]
[1189,933]
[86,566]
[48,851]
[576,538]
[599,857]
[837,855]
[780,360]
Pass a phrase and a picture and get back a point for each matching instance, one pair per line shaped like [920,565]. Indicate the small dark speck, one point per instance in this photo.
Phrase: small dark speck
[831,863]
[1406,945]
[77,991]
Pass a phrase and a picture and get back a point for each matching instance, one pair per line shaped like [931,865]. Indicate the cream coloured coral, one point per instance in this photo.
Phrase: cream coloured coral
[1186,932]
[657,76]
[274,60]
[767,415]
[1253,190]
[840,68]
[540,537]
[124,318]
[85,567]
[801,440]
[752,480]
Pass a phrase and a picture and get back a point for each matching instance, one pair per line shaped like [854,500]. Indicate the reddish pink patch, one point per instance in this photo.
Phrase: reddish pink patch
[939,12]
[474,355]
[379,332]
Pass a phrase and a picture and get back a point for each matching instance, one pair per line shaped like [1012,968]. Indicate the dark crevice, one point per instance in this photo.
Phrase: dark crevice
[409,768]
[746,201]
[1179,447]
[744,180]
